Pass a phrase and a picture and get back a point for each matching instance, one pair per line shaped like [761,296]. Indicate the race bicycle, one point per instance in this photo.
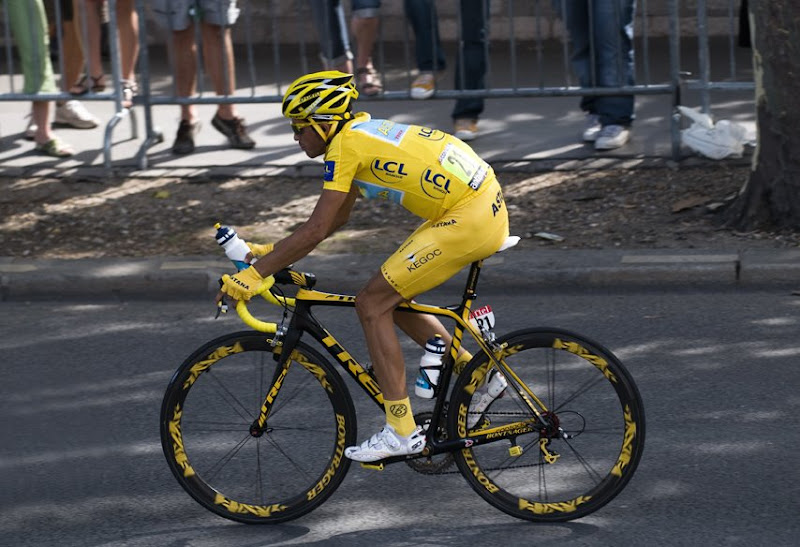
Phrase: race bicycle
[254,424]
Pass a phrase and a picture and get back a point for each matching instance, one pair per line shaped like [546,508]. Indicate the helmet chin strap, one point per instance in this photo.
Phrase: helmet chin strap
[333,127]
[320,131]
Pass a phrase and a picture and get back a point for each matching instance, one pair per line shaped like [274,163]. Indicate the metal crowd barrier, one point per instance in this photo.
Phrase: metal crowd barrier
[115,95]
[254,12]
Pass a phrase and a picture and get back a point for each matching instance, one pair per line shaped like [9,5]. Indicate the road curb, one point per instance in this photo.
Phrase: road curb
[188,277]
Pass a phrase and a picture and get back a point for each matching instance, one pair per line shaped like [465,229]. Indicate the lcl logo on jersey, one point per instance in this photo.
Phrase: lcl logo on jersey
[387,170]
[430,134]
[434,184]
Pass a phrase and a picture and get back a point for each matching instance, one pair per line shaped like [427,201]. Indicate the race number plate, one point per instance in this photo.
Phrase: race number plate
[482,318]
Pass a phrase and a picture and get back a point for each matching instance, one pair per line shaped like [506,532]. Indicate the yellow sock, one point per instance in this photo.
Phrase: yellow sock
[398,415]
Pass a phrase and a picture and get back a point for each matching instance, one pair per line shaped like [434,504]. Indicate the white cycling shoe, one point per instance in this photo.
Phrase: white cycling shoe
[387,443]
[485,395]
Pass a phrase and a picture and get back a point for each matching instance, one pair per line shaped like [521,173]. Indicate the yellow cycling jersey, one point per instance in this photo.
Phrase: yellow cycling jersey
[425,170]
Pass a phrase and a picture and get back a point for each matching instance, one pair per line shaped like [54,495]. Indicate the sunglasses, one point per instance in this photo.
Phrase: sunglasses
[298,127]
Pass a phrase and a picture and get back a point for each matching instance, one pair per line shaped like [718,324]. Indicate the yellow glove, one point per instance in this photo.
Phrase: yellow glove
[257,249]
[243,285]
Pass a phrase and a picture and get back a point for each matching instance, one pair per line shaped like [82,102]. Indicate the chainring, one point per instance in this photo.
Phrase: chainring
[431,465]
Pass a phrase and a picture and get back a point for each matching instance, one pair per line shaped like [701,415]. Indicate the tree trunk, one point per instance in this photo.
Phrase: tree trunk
[771,196]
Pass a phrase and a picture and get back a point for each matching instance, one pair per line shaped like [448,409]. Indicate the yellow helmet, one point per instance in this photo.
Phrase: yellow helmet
[322,96]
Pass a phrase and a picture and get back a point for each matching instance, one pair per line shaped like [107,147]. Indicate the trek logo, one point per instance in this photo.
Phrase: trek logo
[430,134]
[388,171]
[418,262]
[434,184]
[330,169]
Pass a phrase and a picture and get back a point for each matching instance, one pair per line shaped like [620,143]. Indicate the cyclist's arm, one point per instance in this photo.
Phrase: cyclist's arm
[331,212]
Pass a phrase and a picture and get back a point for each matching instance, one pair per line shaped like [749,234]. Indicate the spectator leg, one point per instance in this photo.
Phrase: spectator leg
[185,70]
[218,55]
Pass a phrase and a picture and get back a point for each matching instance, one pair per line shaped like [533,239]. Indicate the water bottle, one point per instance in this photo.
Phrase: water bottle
[235,249]
[430,366]
[496,385]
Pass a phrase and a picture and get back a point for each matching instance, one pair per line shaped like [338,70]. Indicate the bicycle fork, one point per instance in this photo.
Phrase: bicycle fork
[286,340]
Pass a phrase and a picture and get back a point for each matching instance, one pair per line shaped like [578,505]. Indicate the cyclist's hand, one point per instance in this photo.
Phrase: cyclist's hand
[258,250]
[242,286]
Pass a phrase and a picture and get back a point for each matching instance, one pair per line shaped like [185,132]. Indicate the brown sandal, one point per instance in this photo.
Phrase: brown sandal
[369,83]
[89,83]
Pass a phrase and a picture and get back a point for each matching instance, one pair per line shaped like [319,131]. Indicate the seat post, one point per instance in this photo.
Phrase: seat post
[472,280]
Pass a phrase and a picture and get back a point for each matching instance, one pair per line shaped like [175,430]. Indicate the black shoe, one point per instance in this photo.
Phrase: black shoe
[235,130]
[184,140]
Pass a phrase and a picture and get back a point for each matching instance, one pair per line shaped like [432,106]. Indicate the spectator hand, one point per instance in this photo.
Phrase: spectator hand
[242,286]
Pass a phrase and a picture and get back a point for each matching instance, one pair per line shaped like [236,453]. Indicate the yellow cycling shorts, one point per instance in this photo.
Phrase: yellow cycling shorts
[472,230]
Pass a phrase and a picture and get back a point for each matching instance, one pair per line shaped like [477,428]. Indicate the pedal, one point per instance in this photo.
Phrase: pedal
[515,451]
[373,466]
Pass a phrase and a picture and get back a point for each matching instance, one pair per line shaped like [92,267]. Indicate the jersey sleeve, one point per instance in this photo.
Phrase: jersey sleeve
[340,166]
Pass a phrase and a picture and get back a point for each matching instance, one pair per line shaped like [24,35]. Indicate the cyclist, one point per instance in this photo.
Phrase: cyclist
[433,175]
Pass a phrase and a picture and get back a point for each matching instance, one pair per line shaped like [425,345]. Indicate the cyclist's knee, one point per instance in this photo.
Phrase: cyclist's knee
[368,306]
[376,300]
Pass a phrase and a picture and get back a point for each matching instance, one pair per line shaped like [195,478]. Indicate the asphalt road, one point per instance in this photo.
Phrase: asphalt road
[81,462]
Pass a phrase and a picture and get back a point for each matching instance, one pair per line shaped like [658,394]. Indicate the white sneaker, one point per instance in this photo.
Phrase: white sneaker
[592,128]
[74,114]
[423,86]
[484,396]
[612,136]
[386,443]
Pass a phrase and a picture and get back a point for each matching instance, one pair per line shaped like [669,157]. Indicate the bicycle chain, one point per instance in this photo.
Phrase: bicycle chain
[441,467]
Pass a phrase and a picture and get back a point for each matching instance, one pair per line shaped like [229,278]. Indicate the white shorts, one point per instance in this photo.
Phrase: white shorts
[178,14]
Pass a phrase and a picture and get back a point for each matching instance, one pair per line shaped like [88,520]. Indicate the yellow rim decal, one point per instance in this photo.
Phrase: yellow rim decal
[627,443]
[200,366]
[557,507]
[580,351]
[245,508]
[177,443]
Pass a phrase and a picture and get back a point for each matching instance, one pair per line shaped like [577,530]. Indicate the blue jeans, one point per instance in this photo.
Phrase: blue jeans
[471,61]
[331,25]
[605,61]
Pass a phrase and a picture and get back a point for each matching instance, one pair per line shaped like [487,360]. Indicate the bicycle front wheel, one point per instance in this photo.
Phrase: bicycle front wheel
[577,454]
[249,472]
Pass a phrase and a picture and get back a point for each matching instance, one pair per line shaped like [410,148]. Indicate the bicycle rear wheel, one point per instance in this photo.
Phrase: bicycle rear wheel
[268,475]
[587,449]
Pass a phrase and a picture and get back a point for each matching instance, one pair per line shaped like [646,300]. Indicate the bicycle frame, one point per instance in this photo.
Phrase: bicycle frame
[303,321]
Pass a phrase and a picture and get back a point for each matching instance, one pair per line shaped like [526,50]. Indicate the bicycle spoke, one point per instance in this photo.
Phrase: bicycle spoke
[231,399]
[582,390]
[259,479]
[277,428]
[582,445]
[289,459]
[218,426]
[248,471]
[586,465]
[225,459]
[550,368]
